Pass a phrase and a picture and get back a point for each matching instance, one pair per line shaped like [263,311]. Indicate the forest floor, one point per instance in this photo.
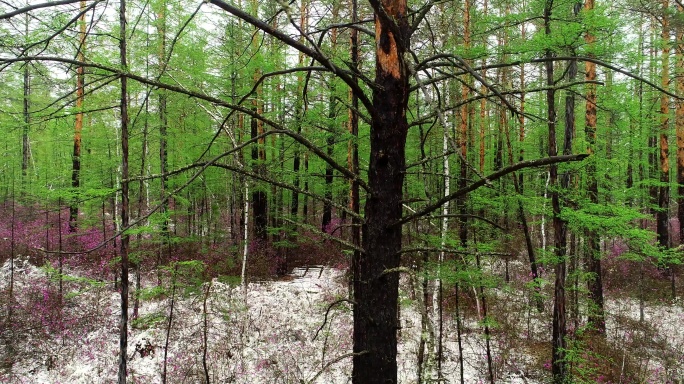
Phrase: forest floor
[298,330]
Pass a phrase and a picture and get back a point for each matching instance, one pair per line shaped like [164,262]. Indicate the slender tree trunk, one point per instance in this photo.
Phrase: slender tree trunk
[78,125]
[595,284]
[679,123]
[259,197]
[298,112]
[463,129]
[169,323]
[163,124]
[459,340]
[205,331]
[353,152]
[10,290]
[26,145]
[123,326]
[376,291]
[521,115]
[664,189]
[558,363]
[332,131]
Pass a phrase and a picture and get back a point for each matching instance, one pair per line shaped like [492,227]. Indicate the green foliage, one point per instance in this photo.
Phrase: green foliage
[232,281]
[187,275]
[147,321]
[152,293]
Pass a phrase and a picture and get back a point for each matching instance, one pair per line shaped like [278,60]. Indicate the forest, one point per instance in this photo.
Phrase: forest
[341,191]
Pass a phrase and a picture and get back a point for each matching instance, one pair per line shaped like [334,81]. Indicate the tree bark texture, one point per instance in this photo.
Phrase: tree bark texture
[376,290]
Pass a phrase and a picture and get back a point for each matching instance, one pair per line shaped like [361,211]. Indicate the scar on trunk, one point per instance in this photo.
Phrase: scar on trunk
[386,51]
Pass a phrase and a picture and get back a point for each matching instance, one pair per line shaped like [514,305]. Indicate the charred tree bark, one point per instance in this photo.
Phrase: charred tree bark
[376,291]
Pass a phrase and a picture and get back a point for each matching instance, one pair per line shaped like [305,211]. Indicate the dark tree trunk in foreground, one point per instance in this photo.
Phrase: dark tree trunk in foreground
[376,290]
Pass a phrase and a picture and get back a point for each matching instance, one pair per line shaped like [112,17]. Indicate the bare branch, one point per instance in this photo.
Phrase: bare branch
[494,176]
[269,29]
[33,7]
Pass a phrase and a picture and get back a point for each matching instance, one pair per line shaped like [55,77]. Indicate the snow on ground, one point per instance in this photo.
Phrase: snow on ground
[294,330]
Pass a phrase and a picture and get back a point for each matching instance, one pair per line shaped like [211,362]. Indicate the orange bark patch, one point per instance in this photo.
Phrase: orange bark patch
[387,52]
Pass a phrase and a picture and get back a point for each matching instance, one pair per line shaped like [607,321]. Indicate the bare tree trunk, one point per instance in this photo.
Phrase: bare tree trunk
[376,290]
[123,326]
[463,129]
[78,125]
[558,362]
[332,131]
[595,284]
[353,152]
[205,336]
[679,123]
[169,323]
[26,145]
[163,124]
[664,189]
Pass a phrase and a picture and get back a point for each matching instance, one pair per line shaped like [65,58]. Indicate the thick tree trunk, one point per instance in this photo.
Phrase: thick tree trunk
[376,290]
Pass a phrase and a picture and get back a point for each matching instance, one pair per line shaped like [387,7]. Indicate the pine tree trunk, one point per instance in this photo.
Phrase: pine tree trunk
[664,189]
[332,131]
[679,124]
[353,153]
[376,290]
[593,259]
[78,125]
[558,363]
[123,326]
[25,144]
